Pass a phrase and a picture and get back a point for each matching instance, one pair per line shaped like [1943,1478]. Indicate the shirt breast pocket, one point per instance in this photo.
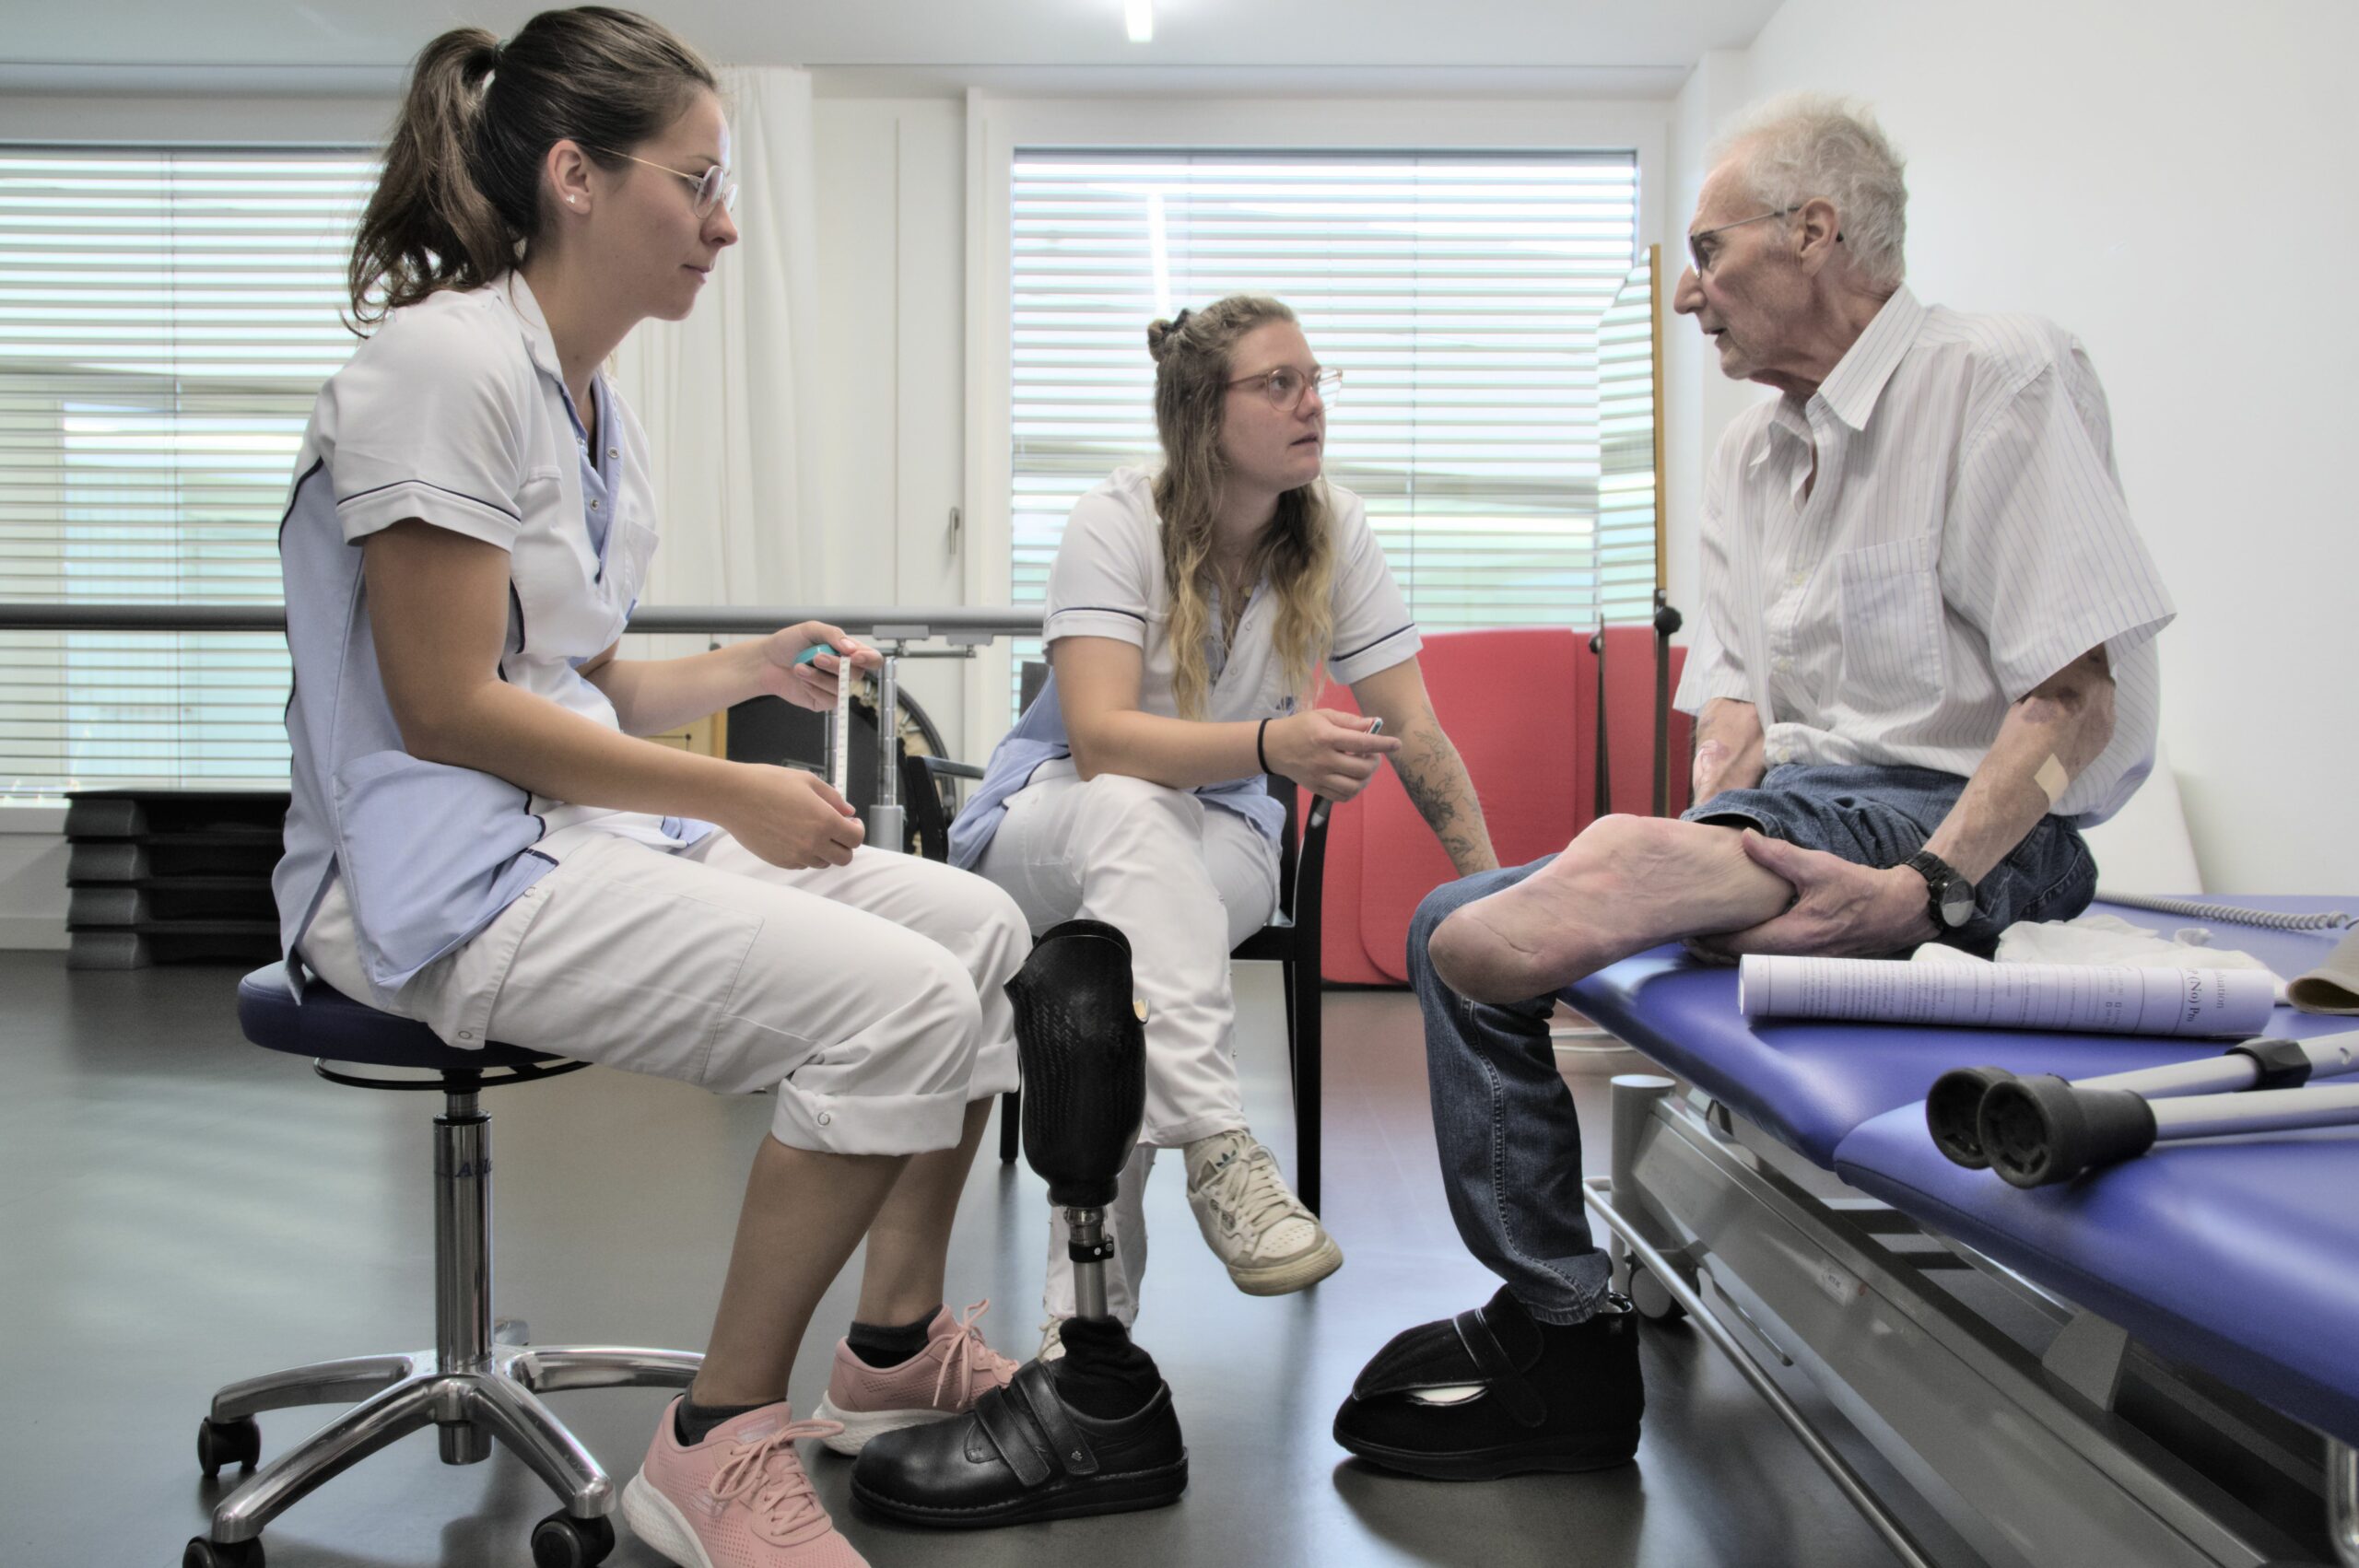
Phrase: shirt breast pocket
[1891,624]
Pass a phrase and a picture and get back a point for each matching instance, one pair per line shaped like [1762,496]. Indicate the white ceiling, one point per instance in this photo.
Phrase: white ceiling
[1629,47]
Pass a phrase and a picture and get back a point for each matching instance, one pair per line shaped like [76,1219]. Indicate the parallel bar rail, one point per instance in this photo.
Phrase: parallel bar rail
[958,623]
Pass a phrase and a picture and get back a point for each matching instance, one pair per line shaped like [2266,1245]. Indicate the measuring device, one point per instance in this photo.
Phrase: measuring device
[840,733]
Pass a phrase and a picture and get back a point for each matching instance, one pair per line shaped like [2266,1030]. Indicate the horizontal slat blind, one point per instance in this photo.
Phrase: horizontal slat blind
[165,319]
[1461,294]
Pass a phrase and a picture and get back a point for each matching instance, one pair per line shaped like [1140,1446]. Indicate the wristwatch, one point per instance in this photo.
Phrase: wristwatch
[1949,897]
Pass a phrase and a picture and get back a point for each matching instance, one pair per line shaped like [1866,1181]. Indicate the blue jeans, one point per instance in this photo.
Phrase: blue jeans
[1881,815]
[1503,1118]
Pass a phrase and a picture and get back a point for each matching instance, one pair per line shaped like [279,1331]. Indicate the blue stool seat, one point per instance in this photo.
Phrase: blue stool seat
[330,1026]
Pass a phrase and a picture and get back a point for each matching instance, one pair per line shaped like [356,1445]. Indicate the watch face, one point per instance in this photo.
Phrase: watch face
[1957,902]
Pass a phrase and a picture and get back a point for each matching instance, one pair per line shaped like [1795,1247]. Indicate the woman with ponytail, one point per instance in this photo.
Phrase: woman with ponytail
[477,840]
[1189,610]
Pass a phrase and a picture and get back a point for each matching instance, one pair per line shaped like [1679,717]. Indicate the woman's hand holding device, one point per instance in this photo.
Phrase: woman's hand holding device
[1330,752]
[789,817]
[799,663]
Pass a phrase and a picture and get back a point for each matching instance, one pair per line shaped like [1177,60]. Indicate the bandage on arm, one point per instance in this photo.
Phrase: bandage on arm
[2052,780]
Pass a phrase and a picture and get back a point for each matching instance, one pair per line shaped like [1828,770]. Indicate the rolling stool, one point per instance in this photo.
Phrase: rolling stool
[475,1383]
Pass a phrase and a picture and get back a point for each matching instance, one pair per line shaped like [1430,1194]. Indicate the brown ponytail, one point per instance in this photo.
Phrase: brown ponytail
[460,193]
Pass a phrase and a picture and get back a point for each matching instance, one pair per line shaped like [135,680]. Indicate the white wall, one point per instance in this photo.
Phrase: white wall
[2171,181]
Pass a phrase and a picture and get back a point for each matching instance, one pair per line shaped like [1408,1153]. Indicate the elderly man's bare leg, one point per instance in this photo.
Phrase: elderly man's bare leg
[1624,884]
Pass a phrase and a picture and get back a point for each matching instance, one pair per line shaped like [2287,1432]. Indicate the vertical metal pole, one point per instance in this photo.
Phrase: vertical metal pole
[463,1256]
[884,818]
[2343,1500]
[1666,623]
[1632,1105]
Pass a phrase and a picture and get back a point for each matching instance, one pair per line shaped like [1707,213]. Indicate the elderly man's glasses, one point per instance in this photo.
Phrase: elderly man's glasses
[1285,385]
[712,188]
[1703,258]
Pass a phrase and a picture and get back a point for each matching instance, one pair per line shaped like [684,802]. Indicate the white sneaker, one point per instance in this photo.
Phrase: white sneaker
[1253,1221]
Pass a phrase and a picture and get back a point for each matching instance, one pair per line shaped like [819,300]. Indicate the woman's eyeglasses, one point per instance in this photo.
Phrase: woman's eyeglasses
[713,187]
[1285,385]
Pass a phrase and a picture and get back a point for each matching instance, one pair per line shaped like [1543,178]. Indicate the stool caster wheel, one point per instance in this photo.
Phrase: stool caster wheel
[563,1541]
[204,1553]
[221,1443]
[1654,1303]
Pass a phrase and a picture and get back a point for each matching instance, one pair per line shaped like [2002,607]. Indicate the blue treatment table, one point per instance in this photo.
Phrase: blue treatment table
[2133,1368]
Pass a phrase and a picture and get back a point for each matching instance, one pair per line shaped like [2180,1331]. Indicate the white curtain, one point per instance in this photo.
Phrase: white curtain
[726,395]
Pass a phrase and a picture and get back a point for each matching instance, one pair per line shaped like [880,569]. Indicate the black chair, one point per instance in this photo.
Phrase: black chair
[1290,940]
[480,1381]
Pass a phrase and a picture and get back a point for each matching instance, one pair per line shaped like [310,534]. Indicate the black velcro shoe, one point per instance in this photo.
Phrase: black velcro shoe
[1023,1453]
[1493,1392]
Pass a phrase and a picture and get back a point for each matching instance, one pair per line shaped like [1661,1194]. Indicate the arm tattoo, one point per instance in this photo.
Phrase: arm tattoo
[1431,770]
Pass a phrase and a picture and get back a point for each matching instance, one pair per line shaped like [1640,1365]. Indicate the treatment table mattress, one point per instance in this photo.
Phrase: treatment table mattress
[1809,1083]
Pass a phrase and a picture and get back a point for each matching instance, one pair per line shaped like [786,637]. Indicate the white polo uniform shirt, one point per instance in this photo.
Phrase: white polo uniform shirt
[1108,581]
[455,414]
[1966,539]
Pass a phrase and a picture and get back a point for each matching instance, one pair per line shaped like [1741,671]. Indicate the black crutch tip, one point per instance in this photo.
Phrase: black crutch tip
[2038,1131]
[1953,1113]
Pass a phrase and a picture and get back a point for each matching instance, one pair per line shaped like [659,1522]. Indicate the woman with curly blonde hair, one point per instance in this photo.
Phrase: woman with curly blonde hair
[1189,612]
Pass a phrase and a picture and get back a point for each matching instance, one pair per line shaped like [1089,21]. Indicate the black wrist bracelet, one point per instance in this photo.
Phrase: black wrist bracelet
[1260,735]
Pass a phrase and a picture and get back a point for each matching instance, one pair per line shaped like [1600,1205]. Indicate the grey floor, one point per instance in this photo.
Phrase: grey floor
[178,1208]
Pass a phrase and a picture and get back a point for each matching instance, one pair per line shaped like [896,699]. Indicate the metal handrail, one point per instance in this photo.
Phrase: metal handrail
[955,623]
[892,627]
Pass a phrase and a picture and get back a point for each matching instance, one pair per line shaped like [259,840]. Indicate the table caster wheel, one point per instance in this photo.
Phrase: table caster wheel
[1654,1303]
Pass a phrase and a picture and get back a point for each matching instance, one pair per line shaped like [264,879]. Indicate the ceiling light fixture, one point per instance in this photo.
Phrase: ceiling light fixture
[1138,16]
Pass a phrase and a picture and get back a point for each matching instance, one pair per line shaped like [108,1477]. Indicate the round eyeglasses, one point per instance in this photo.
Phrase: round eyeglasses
[1285,385]
[713,187]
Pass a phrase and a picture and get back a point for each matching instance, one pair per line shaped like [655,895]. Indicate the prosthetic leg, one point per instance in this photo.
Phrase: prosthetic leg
[1047,1447]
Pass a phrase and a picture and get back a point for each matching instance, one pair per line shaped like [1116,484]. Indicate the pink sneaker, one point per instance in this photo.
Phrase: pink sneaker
[739,1498]
[942,1380]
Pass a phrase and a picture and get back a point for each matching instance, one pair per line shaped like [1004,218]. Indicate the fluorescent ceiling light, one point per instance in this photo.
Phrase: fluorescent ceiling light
[1139,17]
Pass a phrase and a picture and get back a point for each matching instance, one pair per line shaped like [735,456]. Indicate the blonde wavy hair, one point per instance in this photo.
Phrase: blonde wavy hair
[1297,552]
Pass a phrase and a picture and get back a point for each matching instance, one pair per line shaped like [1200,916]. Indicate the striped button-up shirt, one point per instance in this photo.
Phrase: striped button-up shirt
[1965,539]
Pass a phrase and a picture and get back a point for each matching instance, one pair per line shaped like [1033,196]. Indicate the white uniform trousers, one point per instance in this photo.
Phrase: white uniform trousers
[870,996]
[1185,883]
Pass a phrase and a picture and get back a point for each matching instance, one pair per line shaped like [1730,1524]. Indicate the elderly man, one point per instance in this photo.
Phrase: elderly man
[1926,659]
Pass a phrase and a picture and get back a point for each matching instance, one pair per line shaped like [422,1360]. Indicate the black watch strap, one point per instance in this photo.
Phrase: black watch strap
[1949,896]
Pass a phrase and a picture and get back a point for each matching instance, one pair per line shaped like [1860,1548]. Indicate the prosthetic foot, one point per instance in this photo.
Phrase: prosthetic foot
[1093,1432]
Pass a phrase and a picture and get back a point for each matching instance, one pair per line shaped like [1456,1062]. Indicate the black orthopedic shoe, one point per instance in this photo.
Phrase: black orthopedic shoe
[1023,1453]
[1493,1392]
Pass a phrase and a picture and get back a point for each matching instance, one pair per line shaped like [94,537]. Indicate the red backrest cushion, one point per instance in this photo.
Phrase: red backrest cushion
[1509,701]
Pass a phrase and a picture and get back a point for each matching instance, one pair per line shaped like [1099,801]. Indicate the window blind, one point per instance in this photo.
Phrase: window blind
[1461,294]
[166,320]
